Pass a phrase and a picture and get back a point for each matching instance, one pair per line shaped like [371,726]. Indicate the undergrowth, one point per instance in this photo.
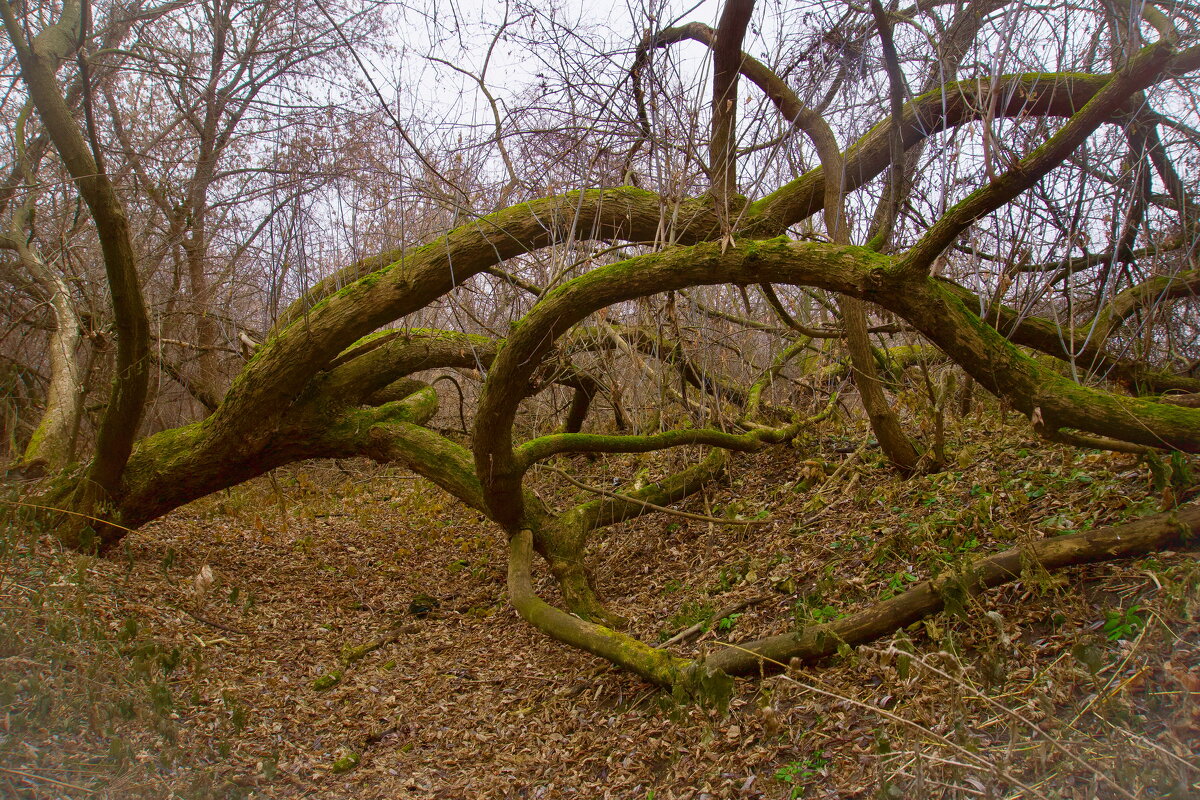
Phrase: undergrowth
[91,702]
[115,683]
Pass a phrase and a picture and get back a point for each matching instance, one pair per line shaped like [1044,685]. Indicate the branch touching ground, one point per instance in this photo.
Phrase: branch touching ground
[1160,531]
[656,666]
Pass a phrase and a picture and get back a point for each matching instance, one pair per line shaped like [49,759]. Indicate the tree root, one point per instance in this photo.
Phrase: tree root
[686,678]
[580,597]
[706,680]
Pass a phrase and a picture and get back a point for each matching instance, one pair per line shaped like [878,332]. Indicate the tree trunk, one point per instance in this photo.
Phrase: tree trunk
[39,60]
[1147,535]
[892,440]
[52,442]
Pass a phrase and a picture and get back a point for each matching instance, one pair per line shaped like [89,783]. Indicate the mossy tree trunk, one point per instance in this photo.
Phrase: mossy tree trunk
[51,445]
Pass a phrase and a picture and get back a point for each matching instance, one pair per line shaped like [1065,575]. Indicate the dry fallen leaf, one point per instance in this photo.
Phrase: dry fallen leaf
[203,581]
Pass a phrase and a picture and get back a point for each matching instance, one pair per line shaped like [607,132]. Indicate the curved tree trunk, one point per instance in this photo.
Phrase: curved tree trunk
[39,60]
[657,666]
[884,422]
[52,442]
[317,388]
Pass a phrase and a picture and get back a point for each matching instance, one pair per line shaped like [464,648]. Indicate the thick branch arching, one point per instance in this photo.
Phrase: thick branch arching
[1142,71]
[929,306]
[321,325]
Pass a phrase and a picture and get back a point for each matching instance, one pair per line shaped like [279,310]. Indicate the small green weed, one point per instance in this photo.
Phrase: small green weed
[731,576]
[896,583]
[691,613]
[725,624]
[1125,624]
[168,560]
[799,772]
[825,614]
[812,609]
[1172,473]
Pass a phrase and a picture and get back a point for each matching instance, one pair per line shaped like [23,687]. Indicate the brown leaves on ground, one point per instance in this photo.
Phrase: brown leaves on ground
[186,663]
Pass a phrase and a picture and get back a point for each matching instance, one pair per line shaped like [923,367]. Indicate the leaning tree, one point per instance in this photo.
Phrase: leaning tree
[1007,183]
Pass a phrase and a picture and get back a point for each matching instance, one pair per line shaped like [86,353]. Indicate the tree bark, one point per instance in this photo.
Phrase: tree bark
[656,666]
[727,57]
[51,444]
[884,422]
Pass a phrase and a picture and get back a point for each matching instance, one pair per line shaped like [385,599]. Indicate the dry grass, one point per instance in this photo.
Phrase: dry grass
[117,679]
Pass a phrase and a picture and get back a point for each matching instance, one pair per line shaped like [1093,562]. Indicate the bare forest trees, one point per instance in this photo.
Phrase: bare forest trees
[692,238]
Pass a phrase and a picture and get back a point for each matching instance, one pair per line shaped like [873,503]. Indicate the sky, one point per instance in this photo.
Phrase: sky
[462,34]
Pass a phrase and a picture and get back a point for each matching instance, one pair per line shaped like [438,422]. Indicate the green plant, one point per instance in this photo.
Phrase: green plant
[238,713]
[1125,624]
[726,624]
[731,576]
[168,560]
[896,583]
[691,613]
[1173,473]
[812,608]
[824,614]
[801,771]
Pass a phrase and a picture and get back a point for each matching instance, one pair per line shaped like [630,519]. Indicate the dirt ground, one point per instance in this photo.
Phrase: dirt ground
[341,631]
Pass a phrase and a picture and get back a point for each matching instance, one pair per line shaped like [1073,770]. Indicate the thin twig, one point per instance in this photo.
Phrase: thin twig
[210,623]
[30,775]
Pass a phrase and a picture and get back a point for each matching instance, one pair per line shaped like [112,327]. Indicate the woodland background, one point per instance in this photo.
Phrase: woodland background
[825,378]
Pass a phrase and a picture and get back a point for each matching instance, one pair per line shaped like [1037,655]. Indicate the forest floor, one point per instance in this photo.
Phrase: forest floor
[135,676]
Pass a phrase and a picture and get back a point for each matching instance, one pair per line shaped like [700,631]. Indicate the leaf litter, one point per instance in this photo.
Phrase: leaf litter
[342,631]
